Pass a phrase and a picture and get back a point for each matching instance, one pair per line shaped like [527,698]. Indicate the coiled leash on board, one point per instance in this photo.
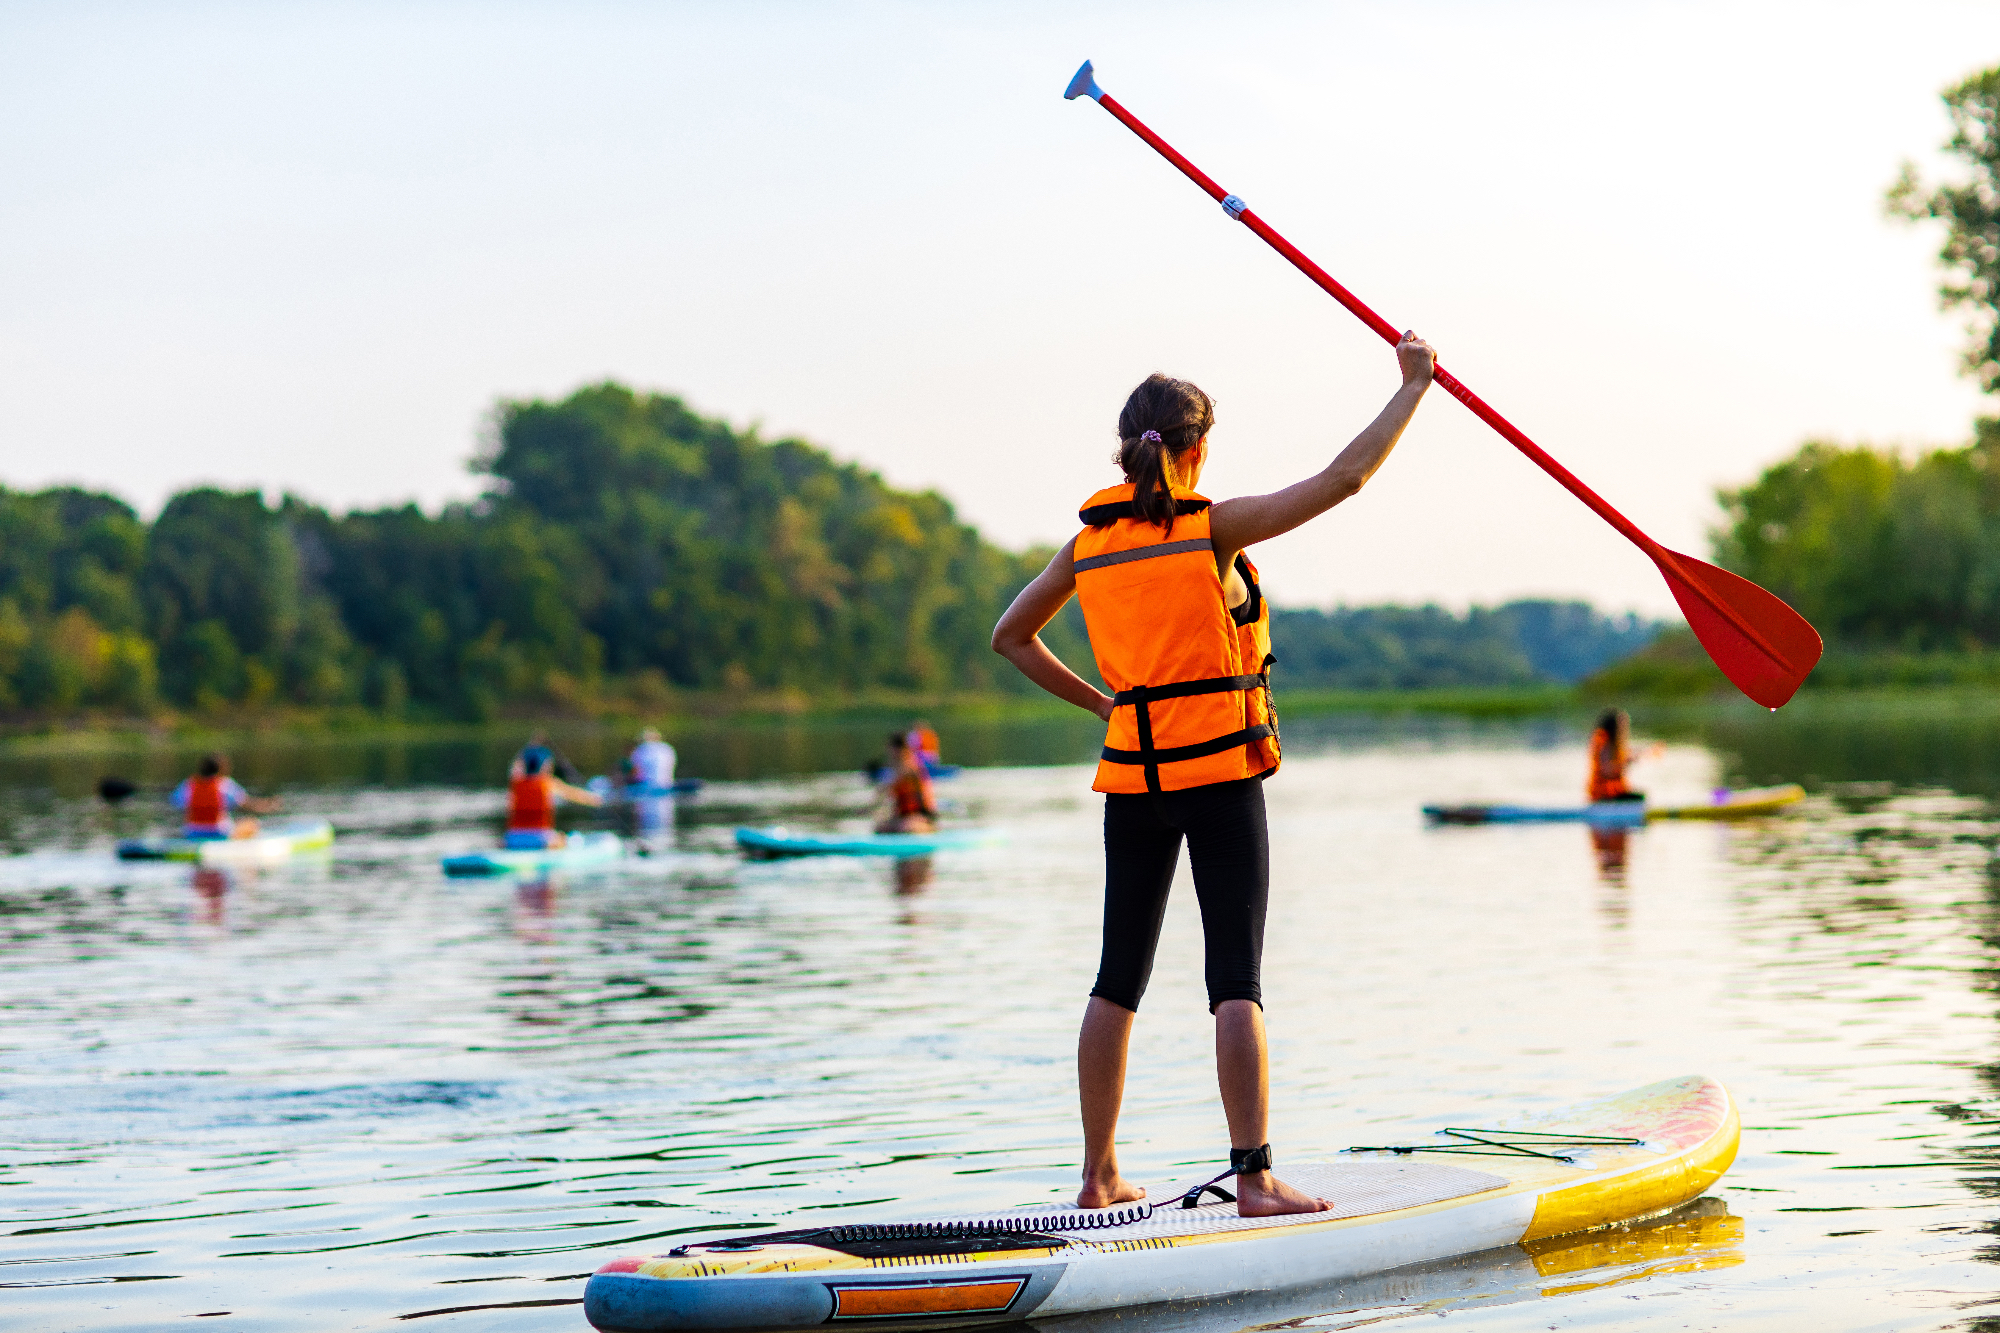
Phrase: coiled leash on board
[1242,1162]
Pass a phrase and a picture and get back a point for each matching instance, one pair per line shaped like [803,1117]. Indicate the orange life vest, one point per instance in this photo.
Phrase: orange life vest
[1607,767]
[207,807]
[1191,680]
[912,793]
[531,803]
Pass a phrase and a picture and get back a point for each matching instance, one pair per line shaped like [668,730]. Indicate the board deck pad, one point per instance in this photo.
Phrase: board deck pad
[1359,1188]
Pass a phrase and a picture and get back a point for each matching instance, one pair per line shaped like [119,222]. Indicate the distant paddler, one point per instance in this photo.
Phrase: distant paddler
[924,740]
[650,765]
[912,805]
[209,800]
[649,786]
[533,792]
[1610,757]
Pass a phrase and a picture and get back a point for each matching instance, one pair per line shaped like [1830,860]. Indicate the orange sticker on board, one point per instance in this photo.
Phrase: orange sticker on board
[876,1301]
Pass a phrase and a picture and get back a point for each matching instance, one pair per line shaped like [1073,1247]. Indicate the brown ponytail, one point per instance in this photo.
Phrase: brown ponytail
[1176,415]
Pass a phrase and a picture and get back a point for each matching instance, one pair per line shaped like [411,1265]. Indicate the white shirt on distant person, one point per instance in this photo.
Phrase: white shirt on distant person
[653,764]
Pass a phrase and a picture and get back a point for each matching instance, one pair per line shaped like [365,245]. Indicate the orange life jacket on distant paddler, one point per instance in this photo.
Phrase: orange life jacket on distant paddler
[911,792]
[1190,678]
[531,803]
[207,803]
[1607,767]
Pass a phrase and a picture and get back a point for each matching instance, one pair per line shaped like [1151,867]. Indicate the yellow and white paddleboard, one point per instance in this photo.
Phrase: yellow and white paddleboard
[1479,1188]
[1735,804]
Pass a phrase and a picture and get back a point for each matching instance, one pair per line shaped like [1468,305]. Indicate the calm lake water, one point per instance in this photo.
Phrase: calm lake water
[348,1093]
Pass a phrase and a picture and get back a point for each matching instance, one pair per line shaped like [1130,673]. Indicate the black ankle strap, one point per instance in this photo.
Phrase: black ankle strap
[1249,1161]
[1242,1162]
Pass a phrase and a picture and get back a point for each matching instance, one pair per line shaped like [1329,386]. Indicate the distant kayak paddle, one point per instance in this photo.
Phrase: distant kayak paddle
[1761,644]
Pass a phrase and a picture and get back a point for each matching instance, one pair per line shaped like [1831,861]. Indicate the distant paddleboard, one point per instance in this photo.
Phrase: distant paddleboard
[1412,1199]
[274,841]
[580,850]
[774,842]
[608,790]
[1725,804]
[1734,804]
[881,772]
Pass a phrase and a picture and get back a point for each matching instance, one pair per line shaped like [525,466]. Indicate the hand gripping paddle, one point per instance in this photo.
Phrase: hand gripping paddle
[1761,644]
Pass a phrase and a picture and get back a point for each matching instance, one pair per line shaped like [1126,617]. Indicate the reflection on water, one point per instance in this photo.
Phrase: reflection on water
[1950,743]
[345,1092]
[1611,846]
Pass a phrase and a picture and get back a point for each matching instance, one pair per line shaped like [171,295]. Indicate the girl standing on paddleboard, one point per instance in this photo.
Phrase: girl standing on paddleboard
[1181,632]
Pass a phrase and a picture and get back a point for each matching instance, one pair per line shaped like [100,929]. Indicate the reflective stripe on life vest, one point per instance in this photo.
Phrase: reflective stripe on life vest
[1191,687]
[1143,553]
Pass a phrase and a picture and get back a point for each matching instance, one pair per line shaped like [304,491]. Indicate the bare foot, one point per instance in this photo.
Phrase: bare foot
[1104,1193]
[1264,1195]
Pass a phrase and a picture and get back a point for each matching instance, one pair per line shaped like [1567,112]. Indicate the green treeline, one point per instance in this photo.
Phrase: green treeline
[1534,642]
[1877,549]
[624,548]
[1894,558]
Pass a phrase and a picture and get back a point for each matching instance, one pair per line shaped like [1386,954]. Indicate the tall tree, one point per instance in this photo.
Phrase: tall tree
[1970,210]
[719,558]
[1875,547]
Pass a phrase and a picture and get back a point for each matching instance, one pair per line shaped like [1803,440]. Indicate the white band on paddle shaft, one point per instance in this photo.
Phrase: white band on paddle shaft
[1234,207]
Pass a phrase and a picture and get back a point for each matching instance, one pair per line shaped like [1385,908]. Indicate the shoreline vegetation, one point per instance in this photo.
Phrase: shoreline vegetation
[1895,556]
[711,579]
[632,559]
[766,713]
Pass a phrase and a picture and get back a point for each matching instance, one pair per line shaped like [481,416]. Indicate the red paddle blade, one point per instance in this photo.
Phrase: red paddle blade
[1762,645]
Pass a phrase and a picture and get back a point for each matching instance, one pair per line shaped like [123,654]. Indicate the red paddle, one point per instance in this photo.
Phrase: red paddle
[1761,644]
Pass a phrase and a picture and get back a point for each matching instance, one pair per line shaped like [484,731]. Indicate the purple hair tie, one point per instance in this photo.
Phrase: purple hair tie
[1152,435]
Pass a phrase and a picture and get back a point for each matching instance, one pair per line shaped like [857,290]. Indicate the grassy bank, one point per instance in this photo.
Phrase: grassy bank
[1489,701]
[1668,713]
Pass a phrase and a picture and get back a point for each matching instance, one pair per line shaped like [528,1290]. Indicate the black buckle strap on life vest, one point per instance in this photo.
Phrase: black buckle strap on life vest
[1097,516]
[1242,1162]
[1145,718]
[1150,757]
[1141,697]
[1271,712]
[1182,689]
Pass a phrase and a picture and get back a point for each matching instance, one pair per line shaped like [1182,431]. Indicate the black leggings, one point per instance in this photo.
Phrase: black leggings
[1229,849]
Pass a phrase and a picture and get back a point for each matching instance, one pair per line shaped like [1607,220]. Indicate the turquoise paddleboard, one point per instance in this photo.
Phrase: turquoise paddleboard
[580,851]
[773,842]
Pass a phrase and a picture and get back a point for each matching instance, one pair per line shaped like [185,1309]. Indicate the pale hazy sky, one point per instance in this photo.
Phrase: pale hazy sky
[308,246]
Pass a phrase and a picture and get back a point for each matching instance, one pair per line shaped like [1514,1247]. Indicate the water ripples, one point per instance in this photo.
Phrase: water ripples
[349,1093]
